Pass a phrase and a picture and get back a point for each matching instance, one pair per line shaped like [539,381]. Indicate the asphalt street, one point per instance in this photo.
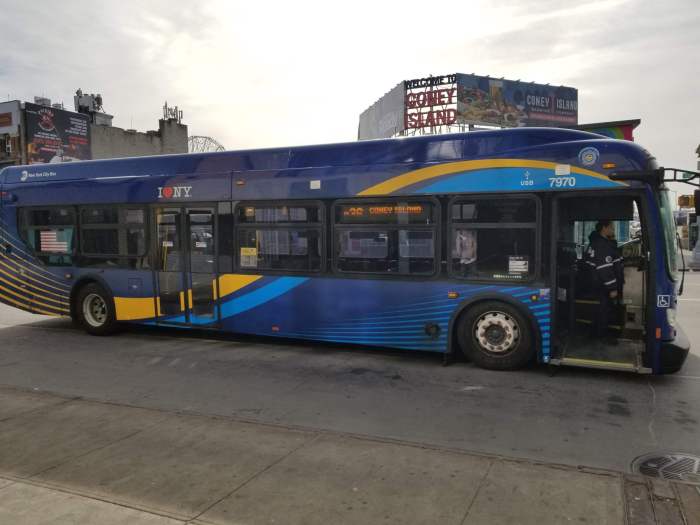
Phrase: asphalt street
[575,417]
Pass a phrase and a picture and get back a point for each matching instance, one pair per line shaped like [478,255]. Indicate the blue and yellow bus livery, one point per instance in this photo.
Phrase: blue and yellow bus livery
[467,242]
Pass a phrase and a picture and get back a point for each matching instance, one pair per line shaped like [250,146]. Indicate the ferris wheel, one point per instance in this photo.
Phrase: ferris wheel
[198,144]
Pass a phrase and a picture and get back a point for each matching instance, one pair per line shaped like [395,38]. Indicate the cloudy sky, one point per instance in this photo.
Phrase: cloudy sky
[259,74]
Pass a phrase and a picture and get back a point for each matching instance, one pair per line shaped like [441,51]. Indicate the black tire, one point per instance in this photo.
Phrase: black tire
[505,341]
[94,310]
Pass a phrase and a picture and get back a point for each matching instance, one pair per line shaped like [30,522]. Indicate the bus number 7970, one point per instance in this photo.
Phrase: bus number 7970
[562,182]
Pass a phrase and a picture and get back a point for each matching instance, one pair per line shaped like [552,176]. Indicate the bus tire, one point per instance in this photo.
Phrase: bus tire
[496,336]
[95,311]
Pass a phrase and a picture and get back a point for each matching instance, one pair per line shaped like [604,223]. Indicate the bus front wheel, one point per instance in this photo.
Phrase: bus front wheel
[95,310]
[496,336]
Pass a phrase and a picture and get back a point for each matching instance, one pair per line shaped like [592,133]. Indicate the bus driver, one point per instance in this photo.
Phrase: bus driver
[607,273]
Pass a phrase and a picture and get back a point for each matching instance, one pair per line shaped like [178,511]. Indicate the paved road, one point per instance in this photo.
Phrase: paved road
[577,417]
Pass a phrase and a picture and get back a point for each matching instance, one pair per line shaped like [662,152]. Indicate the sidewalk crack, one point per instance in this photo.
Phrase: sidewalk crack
[256,475]
[96,449]
[476,493]
[49,406]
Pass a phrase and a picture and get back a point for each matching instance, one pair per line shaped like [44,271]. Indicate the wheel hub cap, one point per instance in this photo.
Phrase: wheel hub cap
[496,332]
[95,310]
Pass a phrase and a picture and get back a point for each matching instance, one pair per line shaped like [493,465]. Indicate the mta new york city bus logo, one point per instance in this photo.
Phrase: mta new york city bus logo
[174,192]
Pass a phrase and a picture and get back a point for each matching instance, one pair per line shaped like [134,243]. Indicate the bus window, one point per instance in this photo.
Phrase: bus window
[50,232]
[284,237]
[494,239]
[386,237]
[279,249]
[274,214]
[169,251]
[112,236]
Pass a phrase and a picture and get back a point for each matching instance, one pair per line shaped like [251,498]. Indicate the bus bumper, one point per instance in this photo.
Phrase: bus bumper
[674,352]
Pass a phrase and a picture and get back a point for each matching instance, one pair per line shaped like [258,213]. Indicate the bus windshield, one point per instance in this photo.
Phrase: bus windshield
[669,232]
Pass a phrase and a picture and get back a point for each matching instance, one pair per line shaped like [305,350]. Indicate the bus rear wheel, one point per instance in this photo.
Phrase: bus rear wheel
[496,336]
[95,310]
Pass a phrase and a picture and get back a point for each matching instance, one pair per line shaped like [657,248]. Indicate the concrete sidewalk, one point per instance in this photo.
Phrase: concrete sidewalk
[68,461]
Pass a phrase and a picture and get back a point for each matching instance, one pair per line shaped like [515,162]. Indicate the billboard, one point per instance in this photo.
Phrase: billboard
[385,118]
[9,117]
[440,104]
[511,103]
[56,135]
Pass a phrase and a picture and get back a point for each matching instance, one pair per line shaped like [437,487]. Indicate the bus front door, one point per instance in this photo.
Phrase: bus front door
[186,266]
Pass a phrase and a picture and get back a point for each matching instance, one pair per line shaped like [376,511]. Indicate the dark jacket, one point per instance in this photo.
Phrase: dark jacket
[605,263]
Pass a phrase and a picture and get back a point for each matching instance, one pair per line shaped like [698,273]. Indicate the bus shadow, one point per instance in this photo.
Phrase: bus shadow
[691,368]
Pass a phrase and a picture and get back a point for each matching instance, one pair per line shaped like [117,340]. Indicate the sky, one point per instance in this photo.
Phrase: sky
[264,74]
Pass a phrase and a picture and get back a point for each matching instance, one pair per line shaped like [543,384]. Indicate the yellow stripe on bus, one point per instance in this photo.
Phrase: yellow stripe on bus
[13,269]
[30,307]
[232,282]
[132,308]
[33,287]
[61,308]
[62,302]
[431,172]
[45,275]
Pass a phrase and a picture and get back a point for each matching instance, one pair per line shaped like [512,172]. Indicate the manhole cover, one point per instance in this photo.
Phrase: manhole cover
[674,467]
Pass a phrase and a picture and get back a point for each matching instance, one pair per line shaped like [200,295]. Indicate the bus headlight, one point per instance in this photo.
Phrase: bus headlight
[671,317]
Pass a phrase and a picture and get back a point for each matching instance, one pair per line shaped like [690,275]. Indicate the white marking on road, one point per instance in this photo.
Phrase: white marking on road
[174,361]
[155,360]
[193,364]
[471,388]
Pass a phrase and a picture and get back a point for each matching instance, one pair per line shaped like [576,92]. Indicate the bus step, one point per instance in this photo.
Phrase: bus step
[626,355]
[595,363]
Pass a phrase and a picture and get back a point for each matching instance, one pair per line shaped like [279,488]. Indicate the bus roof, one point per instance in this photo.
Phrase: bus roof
[423,149]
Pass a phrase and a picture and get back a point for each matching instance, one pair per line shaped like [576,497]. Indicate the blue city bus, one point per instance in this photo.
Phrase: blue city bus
[464,244]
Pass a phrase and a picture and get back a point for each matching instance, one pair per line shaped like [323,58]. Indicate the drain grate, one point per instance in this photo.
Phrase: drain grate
[673,467]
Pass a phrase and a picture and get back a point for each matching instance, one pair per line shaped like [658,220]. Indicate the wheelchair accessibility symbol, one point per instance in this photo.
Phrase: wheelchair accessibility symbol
[663,301]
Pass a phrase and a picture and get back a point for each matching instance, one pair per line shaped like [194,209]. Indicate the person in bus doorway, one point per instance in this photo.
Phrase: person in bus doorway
[607,275]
